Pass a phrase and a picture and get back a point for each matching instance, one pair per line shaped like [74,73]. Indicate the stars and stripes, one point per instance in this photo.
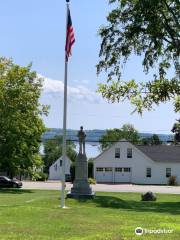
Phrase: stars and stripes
[70,39]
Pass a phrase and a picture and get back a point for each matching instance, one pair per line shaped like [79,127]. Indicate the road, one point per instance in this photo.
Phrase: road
[54,185]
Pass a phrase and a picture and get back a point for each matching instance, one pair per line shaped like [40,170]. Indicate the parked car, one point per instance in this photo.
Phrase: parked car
[6,182]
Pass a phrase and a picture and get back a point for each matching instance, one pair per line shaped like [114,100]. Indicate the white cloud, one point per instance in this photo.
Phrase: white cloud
[80,92]
[84,82]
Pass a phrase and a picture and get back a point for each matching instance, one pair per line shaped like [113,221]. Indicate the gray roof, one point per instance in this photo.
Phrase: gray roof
[161,153]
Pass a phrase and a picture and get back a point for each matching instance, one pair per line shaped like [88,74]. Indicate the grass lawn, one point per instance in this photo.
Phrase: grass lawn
[35,214]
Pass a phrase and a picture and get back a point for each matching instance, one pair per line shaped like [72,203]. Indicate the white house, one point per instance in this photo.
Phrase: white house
[127,163]
[55,170]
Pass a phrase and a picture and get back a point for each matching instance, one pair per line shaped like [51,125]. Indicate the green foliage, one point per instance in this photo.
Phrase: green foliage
[53,150]
[172,181]
[20,122]
[146,28]
[91,181]
[154,140]
[176,131]
[40,176]
[127,132]
[145,141]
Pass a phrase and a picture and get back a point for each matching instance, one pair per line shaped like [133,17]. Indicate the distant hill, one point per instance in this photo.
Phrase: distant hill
[95,135]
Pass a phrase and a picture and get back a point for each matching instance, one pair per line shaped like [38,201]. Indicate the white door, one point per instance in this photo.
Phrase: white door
[104,174]
[122,174]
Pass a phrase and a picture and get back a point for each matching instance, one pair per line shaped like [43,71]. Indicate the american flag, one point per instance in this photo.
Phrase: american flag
[70,39]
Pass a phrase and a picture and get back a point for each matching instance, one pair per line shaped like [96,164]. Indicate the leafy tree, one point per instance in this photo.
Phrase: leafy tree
[20,121]
[176,131]
[53,150]
[155,140]
[127,132]
[147,28]
[146,141]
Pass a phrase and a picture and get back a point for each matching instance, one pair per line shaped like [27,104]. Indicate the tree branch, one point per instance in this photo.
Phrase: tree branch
[170,32]
[171,11]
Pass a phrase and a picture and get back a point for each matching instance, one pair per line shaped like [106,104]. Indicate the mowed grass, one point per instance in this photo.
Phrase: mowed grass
[35,214]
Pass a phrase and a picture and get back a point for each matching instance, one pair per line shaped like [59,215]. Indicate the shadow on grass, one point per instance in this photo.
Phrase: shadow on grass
[132,205]
[14,191]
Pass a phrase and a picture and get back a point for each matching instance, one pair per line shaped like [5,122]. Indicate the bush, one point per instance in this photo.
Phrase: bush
[148,196]
[34,176]
[172,181]
[91,181]
[41,177]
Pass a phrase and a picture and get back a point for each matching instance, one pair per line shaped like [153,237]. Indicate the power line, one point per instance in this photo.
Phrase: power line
[105,130]
[111,141]
[97,141]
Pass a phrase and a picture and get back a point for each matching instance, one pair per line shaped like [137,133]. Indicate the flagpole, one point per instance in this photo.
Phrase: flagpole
[64,121]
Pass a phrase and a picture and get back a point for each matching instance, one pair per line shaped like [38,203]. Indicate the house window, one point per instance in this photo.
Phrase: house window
[127,169]
[99,169]
[118,169]
[168,172]
[108,169]
[148,172]
[117,152]
[60,163]
[129,153]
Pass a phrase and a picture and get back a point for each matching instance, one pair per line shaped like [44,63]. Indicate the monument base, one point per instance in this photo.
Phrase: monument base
[81,189]
[80,196]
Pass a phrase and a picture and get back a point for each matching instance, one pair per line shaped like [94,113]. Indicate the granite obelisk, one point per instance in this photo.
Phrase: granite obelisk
[81,187]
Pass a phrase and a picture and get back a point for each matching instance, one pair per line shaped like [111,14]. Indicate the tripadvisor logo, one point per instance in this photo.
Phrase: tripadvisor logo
[138,231]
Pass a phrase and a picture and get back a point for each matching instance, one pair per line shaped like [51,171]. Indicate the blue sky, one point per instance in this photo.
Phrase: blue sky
[34,31]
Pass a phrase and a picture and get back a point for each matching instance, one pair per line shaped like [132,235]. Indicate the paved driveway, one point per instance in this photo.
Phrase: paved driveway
[53,185]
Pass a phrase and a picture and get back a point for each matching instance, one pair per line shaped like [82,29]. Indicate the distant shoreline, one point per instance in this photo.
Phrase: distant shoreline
[93,136]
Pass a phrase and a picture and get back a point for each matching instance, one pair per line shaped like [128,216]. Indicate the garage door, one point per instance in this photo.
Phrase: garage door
[122,174]
[104,174]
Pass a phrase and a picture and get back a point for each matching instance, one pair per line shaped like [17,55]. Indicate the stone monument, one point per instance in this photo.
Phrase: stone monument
[81,187]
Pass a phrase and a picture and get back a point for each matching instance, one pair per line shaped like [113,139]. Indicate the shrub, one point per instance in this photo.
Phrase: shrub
[91,181]
[172,181]
[41,177]
[34,176]
[148,196]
